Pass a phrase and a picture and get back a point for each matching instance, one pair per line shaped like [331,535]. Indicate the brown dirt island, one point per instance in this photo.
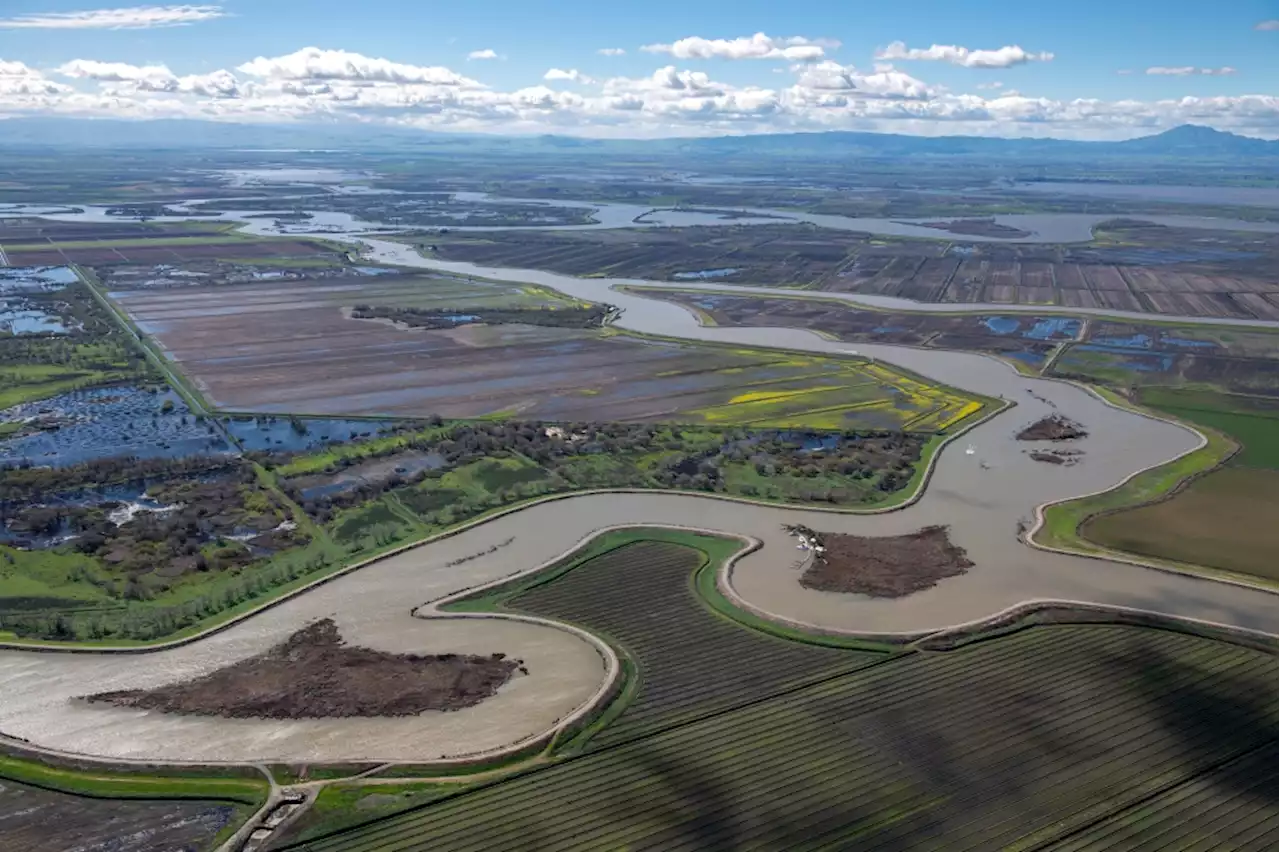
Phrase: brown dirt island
[1055,427]
[312,674]
[888,567]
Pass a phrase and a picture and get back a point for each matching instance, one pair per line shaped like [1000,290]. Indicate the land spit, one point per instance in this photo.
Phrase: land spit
[885,567]
[313,674]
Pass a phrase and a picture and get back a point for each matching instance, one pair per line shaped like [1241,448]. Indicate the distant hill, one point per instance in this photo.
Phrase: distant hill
[1187,141]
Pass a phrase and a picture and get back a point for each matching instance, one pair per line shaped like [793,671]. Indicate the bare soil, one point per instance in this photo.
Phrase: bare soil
[886,567]
[1058,457]
[1055,427]
[313,674]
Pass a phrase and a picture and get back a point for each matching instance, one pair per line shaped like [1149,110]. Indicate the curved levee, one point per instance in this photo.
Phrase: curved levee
[984,498]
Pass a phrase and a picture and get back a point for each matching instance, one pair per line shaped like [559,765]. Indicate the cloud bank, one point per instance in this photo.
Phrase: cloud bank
[315,84]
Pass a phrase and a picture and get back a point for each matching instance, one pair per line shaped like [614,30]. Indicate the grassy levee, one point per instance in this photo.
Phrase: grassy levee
[1061,521]
[246,792]
[144,782]
[340,805]
[1059,725]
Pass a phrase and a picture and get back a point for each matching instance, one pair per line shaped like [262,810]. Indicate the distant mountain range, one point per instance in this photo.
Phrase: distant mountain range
[1188,141]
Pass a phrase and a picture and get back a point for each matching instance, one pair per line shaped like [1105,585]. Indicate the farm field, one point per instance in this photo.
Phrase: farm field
[775,255]
[1127,355]
[37,242]
[1028,340]
[277,348]
[641,594]
[1224,519]
[1130,266]
[1040,737]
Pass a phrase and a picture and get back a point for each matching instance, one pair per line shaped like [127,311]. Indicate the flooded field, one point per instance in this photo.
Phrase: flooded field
[34,279]
[293,348]
[1123,354]
[1029,339]
[295,434]
[102,422]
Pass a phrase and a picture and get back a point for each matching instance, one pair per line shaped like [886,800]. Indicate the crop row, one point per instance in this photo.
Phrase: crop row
[690,660]
[1232,806]
[1017,741]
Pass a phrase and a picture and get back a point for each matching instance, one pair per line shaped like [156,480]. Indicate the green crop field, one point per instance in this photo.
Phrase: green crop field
[1224,519]
[1056,736]
[639,596]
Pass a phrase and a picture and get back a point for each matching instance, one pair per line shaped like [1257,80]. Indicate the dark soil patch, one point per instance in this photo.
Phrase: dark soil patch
[1059,457]
[891,567]
[1055,427]
[313,674]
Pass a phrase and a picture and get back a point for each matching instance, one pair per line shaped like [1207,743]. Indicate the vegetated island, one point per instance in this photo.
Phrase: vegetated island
[882,567]
[1055,427]
[975,228]
[314,674]
[586,316]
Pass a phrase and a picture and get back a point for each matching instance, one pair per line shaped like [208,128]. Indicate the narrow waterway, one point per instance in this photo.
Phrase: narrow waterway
[982,497]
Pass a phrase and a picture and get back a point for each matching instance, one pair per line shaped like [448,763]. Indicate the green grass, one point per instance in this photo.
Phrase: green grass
[145,784]
[340,806]
[1251,421]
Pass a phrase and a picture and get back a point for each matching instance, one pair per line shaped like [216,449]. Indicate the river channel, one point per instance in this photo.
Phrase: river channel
[981,496]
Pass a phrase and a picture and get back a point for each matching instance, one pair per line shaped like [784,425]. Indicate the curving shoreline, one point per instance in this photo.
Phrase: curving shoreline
[981,505]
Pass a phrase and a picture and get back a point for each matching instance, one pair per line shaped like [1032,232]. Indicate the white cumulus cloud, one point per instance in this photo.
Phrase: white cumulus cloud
[573,75]
[758,46]
[487,53]
[884,82]
[1267,26]
[1004,57]
[611,51]
[312,63]
[151,78]
[131,18]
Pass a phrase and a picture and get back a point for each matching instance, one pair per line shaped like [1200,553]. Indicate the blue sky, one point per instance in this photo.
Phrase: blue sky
[1083,69]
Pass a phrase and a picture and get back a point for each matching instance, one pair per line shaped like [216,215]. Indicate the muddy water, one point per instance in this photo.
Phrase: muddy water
[981,496]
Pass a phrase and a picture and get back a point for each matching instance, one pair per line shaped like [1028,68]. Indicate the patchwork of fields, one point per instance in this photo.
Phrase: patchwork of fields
[1237,361]
[1130,266]
[1027,339]
[1062,736]
[291,347]
[38,242]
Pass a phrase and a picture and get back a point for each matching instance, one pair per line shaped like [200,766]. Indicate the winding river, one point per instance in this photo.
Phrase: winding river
[981,496]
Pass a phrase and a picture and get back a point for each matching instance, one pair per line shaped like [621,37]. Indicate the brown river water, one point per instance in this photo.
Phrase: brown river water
[981,496]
